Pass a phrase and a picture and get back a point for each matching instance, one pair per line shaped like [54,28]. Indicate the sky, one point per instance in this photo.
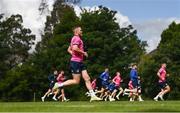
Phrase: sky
[149,17]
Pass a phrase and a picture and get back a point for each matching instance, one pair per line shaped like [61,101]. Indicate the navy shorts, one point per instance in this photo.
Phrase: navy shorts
[162,85]
[135,83]
[117,87]
[51,85]
[111,87]
[77,67]
[104,84]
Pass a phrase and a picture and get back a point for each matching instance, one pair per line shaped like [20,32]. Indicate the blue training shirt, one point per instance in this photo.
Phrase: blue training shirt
[104,76]
[133,74]
[52,77]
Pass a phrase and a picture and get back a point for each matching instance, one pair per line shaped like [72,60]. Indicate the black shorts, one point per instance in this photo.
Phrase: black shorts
[162,85]
[77,67]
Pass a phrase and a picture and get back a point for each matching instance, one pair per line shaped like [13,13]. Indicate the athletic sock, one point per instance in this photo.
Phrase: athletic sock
[92,93]
[157,96]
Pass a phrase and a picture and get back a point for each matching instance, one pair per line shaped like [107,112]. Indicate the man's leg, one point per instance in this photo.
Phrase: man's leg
[87,80]
[42,98]
[120,92]
[88,85]
[63,95]
[113,94]
[166,90]
[55,94]
[75,80]
[102,92]
[158,95]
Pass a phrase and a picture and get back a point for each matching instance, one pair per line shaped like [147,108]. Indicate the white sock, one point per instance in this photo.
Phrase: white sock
[161,96]
[91,93]
[118,94]
[139,97]
[157,96]
[65,98]
[54,96]
[126,93]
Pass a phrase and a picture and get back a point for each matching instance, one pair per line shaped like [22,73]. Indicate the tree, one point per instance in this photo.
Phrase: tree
[107,43]
[15,42]
[168,51]
[16,39]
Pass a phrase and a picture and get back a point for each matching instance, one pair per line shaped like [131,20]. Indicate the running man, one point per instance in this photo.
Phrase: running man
[139,89]
[133,82]
[60,79]
[76,49]
[165,88]
[104,78]
[52,79]
[117,81]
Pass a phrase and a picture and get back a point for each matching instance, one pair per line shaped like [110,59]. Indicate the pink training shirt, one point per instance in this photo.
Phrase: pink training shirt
[162,72]
[93,84]
[130,85]
[117,80]
[60,78]
[77,57]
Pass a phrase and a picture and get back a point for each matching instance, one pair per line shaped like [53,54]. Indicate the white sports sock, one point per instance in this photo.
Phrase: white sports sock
[91,93]
[157,96]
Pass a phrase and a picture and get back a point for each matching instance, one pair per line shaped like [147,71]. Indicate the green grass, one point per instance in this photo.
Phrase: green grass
[79,106]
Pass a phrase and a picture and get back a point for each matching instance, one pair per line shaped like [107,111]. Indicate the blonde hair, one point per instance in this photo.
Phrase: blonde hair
[75,29]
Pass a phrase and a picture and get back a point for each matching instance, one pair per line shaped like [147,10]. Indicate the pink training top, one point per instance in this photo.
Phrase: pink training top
[77,57]
[130,85]
[162,77]
[93,84]
[117,80]
[60,78]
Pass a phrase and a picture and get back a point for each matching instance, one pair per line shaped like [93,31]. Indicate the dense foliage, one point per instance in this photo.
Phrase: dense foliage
[168,52]
[24,75]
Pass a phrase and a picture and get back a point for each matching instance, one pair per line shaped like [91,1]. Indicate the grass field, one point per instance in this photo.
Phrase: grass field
[79,106]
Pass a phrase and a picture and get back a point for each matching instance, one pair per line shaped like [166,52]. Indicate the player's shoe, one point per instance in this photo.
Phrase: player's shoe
[66,100]
[131,99]
[42,98]
[54,98]
[117,97]
[141,100]
[95,98]
[124,92]
[155,99]
[105,99]
[87,94]
[161,97]
[111,99]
